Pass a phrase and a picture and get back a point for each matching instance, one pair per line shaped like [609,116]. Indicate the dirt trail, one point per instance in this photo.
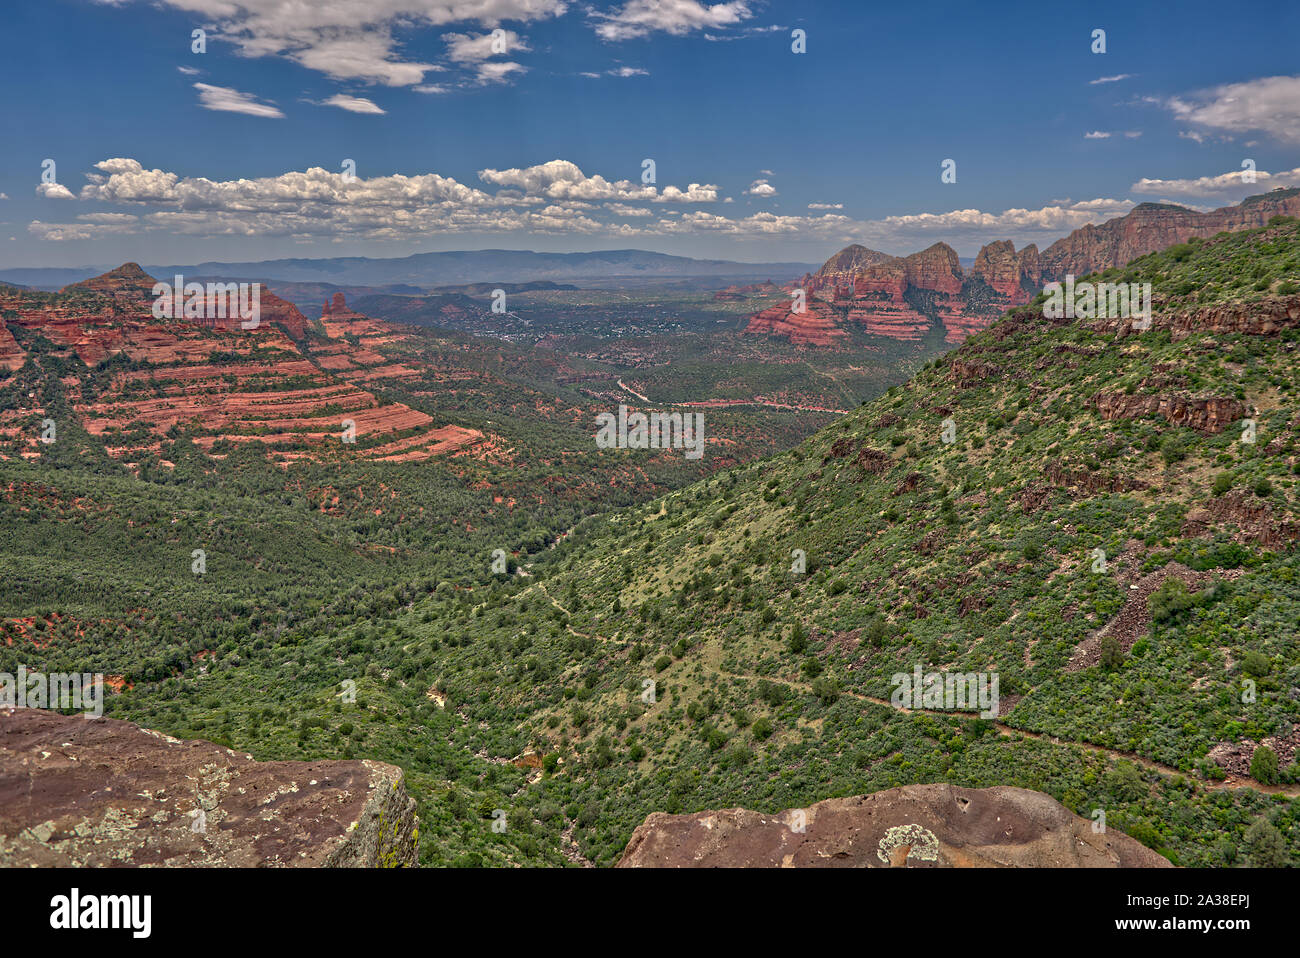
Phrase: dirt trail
[724,403]
[1231,782]
[572,630]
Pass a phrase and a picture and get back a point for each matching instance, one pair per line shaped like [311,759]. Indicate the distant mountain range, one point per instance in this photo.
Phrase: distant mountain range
[426,271]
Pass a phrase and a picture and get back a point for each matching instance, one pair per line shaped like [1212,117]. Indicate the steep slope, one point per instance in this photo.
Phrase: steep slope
[1111,532]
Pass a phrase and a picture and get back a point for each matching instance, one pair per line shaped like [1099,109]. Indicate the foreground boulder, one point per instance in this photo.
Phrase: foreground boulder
[916,826]
[101,792]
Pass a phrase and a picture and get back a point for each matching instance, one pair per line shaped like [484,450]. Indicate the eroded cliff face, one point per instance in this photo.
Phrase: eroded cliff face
[916,826]
[100,792]
[868,289]
[862,288]
[1149,227]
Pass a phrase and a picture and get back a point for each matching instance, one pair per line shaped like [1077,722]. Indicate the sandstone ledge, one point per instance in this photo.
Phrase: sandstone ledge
[102,792]
[916,826]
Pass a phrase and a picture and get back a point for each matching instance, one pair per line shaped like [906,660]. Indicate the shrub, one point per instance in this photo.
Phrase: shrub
[1263,766]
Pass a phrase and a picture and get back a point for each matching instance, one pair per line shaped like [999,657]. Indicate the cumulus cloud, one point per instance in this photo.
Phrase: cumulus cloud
[1267,104]
[548,198]
[761,188]
[1097,135]
[563,180]
[353,104]
[1223,185]
[1059,218]
[54,191]
[640,18]
[227,100]
[622,209]
[351,40]
[556,197]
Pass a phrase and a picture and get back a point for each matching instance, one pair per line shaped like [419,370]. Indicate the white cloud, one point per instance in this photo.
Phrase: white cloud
[54,191]
[1233,183]
[466,48]
[761,188]
[496,72]
[1268,104]
[825,206]
[350,40]
[225,99]
[353,104]
[1060,218]
[639,18]
[563,180]
[316,203]
[1097,135]
[189,71]
[622,209]
[556,197]
[1115,79]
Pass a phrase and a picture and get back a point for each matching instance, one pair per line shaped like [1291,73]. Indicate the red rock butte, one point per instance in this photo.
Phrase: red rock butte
[878,293]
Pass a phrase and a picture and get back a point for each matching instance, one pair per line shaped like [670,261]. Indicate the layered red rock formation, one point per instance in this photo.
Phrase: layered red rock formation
[132,289]
[1150,227]
[218,382]
[12,355]
[869,289]
[817,325]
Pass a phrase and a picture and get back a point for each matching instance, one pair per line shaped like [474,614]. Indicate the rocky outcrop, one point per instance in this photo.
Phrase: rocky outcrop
[132,289]
[12,356]
[815,326]
[1255,521]
[1150,227]
[916,826]
[862,287]
[1209,415]
[1266,317]
[1017,277]
[129,283]
[848,263]
[86,792]
[337,310]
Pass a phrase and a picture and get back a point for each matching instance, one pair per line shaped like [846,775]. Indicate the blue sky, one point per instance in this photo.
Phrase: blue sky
[760,153]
